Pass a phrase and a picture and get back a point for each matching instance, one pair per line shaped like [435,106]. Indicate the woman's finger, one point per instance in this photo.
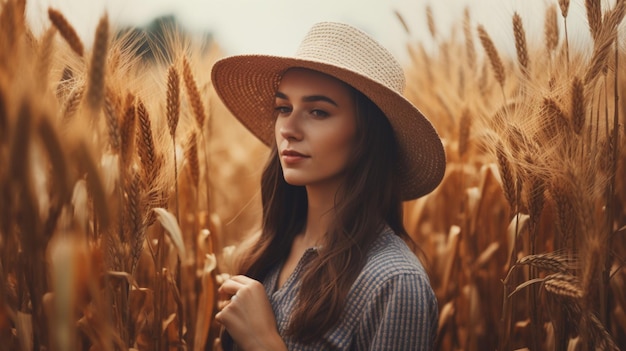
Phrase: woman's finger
[243,279]
[230,287]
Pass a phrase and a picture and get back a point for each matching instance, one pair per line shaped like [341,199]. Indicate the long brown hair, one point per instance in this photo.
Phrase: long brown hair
[368,199]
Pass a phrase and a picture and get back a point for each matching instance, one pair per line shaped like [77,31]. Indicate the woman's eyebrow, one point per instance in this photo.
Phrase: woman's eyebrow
[310,98]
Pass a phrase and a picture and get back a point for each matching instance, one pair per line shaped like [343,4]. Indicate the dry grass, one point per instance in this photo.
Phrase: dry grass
[122,200]
[558,208]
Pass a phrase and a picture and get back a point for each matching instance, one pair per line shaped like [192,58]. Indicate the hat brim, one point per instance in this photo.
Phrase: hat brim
[247,85]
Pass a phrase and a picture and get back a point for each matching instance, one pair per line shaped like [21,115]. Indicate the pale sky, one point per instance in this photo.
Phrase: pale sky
[277,26]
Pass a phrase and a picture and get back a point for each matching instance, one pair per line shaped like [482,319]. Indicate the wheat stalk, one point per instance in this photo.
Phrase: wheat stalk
[594,17]
[470,49]
[194,95]
[97,68]
[492,54]
[402,21]
[66,30]
[173,115]
[564,5]
[506,173]
[520,43]
[431,22]
[551,30]
[535,192]
[578,106]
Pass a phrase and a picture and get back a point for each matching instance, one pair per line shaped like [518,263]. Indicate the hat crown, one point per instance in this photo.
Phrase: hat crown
[347,47]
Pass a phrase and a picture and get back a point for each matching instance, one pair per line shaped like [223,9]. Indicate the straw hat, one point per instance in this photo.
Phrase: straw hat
[247,85]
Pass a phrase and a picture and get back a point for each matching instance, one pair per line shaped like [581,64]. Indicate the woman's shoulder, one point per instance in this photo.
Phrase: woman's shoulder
[391,255]
[390,260]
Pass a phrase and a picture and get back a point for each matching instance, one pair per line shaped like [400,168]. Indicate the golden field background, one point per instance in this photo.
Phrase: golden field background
[126,187]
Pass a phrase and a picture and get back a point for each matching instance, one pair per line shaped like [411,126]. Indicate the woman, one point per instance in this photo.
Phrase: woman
[332,269]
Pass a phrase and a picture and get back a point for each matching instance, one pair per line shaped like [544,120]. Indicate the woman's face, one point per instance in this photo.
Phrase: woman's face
[315,128]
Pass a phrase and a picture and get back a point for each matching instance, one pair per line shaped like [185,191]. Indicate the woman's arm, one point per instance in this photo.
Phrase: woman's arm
[248,317]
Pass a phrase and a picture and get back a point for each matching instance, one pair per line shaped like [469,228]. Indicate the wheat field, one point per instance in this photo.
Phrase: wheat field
[126,188]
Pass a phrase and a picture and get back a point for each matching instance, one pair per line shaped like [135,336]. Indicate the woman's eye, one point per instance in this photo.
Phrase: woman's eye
[281,110]
[319,113]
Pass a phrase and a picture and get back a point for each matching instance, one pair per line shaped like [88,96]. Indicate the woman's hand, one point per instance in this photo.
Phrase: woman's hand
[248,316]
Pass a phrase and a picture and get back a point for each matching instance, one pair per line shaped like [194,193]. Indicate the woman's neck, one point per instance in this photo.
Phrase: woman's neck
[320,213]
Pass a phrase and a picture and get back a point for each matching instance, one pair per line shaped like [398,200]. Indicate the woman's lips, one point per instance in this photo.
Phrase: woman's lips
[291,156]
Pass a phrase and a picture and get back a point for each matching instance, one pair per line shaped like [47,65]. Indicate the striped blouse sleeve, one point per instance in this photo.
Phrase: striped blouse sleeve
[402,315]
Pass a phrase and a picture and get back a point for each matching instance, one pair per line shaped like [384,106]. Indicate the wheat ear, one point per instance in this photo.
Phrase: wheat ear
[135,220]
[145,145]
[566,211]
[173,100]
[555,121]
[431,22]
[111,112]
[594,17]
[506,173]
[192,159]
[194,95]
[66,30]
[8,31]
[470,49]
[578,106]
[563,285]
[97,69]
[492,54]
[551,29]
[549,262]
[402,21]
[520,43]
[72,103]
[128,129]
[606,36]
[564,5]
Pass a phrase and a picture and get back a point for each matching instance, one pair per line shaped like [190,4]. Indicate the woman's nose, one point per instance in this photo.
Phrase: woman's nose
[289,127]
